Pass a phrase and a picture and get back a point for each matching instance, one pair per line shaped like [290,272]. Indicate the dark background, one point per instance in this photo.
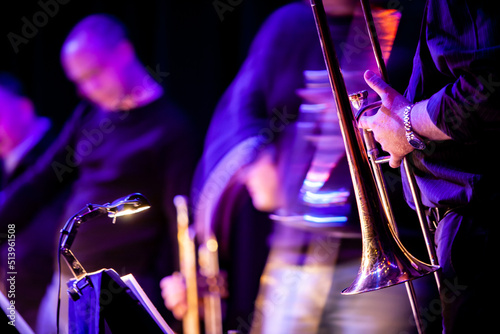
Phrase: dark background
[199,46]
[196,46]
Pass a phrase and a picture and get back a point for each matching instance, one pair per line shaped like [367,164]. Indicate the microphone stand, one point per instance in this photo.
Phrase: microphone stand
[68,234]
[130,204]
[123,206]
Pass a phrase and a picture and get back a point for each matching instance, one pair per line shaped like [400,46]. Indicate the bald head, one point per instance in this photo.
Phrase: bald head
[97,31]
[98,57]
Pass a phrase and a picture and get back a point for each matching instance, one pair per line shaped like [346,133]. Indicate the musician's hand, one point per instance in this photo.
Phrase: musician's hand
[387,124]
[173,291]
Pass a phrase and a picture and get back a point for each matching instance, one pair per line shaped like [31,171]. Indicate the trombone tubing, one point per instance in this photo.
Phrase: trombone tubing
[361,173]
[377,51]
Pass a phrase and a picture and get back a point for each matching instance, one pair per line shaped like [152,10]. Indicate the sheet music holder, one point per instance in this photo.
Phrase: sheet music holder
[103,302]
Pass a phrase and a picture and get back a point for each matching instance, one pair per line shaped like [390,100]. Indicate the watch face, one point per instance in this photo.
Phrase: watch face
[416,143]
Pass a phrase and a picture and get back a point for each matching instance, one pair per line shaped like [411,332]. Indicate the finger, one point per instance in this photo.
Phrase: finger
[377,84]
[364,122]
[164,282]
[180,311]
[172,299]
[395,162]
[168,282]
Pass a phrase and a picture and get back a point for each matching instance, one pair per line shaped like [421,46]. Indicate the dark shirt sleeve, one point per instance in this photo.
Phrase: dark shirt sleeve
[56,168]
[464,44]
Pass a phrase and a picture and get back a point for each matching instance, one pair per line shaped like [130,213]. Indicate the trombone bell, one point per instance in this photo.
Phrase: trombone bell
[385,262]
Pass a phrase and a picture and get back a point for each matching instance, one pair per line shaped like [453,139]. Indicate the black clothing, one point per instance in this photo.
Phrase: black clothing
[35,247]
[105,156]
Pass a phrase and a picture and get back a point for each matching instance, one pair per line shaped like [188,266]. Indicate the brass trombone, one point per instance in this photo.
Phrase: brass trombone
[385,262]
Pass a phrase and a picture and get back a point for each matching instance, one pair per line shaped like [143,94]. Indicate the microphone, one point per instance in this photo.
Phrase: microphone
[127,205]
[123,206]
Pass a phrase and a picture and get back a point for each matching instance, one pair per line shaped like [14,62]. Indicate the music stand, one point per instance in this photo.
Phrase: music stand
[102,302]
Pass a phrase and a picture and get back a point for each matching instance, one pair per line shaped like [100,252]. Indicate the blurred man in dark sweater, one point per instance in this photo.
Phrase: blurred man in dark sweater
[22,132]
[126,137]
[24,137]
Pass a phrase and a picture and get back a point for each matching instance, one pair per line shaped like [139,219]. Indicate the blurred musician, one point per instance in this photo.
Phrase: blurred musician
[125,137]
[255,141]
[24,137]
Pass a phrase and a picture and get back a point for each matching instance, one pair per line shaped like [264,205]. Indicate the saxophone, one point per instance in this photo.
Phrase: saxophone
[187,260]
[209,280]
[213,286]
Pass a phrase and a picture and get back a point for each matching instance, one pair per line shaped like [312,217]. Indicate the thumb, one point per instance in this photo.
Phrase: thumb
[377,84]
[363,122]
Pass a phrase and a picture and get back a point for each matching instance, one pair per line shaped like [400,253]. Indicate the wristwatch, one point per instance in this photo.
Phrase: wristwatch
[415,141]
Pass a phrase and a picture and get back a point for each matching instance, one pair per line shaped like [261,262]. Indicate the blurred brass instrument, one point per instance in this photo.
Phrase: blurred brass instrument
[209,270]
[208,282]
[385,262]
[187,261]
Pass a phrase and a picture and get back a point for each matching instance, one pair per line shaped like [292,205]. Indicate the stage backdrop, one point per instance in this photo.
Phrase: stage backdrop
[194,47]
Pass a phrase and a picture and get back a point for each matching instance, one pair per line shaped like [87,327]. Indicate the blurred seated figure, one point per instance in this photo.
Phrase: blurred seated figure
[24,137]
[22,131]
[126,136]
